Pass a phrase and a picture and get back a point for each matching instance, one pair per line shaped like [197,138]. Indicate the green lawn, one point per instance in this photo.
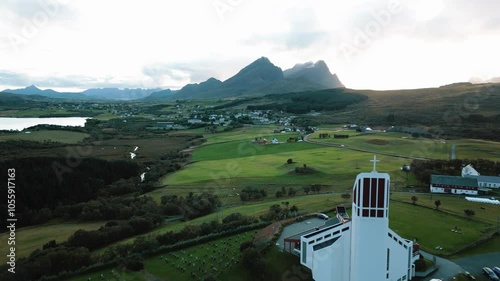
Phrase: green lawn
[491,246]
[245,148]
[46,135]
[335,166]
[30,238]
[432,228]
[455,204]
[400,143]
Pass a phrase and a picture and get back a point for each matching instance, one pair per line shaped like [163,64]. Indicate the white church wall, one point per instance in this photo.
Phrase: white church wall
[332,263]
[368,250]
[400,261]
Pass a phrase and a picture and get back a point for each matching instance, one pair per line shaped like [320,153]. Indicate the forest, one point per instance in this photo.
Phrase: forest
[304,102]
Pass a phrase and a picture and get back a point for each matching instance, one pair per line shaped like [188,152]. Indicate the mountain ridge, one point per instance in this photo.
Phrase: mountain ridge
[260,77]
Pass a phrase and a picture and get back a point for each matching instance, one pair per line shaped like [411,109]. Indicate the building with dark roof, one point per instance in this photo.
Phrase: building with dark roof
[486,181]
[454,185]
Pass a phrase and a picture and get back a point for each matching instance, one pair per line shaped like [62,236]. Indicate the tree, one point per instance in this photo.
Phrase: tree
[469,213]
[437,203]
[414,199]
[316,188]
[246,244]
[307,189]
[279,194]
[294,209]
[289,161]
[291,191]
[252,260]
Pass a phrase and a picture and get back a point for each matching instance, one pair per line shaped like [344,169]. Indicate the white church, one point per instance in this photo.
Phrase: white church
[363,248]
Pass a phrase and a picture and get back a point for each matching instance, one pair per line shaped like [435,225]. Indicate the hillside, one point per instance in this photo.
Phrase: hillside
[462,109]
[89,94]
[33,90]
[8,100]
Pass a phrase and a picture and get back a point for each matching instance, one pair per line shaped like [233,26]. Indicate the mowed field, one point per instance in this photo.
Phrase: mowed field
[243,163]
[403,144]
[47,135]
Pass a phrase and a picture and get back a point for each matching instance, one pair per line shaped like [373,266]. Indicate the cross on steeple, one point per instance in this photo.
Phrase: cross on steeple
[374,162]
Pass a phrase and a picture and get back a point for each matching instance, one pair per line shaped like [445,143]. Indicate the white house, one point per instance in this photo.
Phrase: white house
[453,185]
[363,248]
[469,171]
[275,141]
[482,181]
[195,121]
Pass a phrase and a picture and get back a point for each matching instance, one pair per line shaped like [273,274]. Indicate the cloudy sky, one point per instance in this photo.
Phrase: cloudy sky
[375,44]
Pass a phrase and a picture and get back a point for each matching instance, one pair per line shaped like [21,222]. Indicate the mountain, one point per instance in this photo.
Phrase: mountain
[318,73]
[119,94]
[262,77]
[257,73]
[90,94]
[16,100]
[209,85]
[163,95]
[33,90]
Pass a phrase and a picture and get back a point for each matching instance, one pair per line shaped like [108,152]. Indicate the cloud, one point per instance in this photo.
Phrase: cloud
[178,74]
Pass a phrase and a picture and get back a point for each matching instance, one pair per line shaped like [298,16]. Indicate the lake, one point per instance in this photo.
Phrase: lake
[8,123]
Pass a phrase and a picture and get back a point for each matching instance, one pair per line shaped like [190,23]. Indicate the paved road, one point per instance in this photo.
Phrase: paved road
[446,269]
[306,139]
[474,264]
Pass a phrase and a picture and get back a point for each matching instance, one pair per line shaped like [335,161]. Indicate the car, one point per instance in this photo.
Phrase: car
[491,275]
[323,216]
[496,270]
[469,276]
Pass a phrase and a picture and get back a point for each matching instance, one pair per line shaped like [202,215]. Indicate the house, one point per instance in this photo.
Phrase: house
[195,121]
[482,181]
[454,185]
[166,125]
[275,141]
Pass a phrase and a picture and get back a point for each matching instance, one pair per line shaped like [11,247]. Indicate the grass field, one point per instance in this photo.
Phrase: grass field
[334,166]
[47,135]
[400,143]
[30,238]
[231,159]
[454,204]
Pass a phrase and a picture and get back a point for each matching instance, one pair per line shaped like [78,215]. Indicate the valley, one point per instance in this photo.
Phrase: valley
[154,175]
